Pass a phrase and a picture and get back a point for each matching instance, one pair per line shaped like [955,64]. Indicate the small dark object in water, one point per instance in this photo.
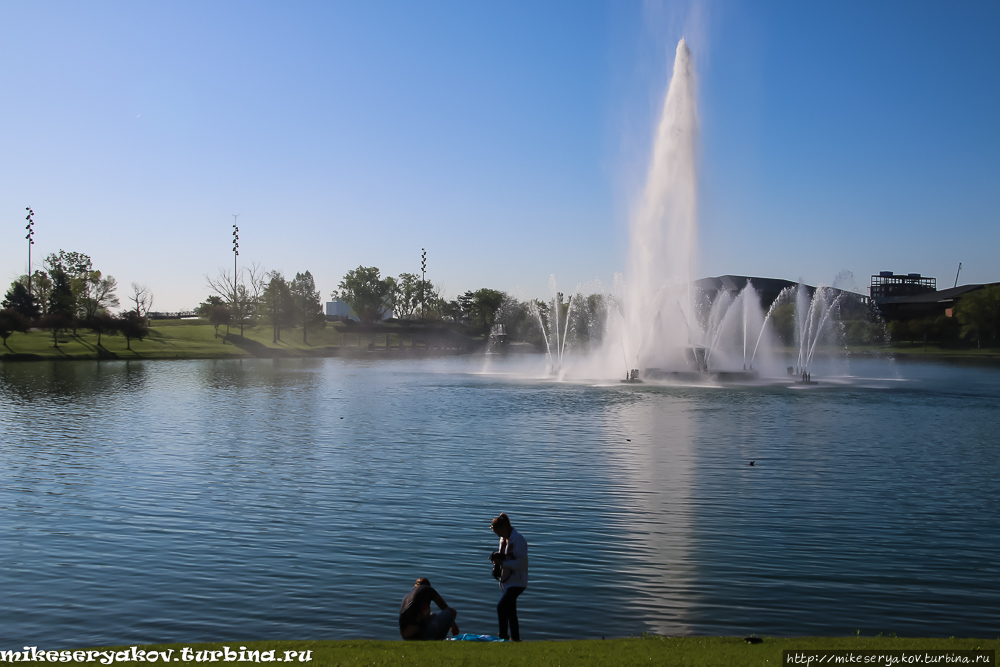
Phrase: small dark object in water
[632,377]
[341,417]
[753,640]
[751,463]
[627,440]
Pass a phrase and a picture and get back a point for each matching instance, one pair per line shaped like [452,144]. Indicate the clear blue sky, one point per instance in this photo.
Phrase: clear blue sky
[509,139]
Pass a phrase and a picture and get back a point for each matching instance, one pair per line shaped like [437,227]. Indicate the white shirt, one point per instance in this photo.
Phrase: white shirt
[515,568]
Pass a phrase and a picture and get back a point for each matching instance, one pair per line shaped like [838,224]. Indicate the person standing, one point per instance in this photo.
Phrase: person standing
[415,619]
[513,554]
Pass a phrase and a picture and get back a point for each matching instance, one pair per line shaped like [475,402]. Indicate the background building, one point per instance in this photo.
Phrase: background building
[907,296]
[339,311]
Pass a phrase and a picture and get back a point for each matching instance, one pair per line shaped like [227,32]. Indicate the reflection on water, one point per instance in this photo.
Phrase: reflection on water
[653,456]
[197,500]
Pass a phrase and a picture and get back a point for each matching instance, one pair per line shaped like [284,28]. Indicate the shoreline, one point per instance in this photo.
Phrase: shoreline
[196,339]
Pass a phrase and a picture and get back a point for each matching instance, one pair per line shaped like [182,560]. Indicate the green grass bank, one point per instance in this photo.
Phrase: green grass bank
[646,650]
[197,339]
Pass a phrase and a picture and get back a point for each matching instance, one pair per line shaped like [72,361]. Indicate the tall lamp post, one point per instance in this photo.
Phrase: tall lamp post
[423,284]
[31,240]
[236,245]
[236,254]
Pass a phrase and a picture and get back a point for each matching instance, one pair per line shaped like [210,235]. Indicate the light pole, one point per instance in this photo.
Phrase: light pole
[423,284]
[31,240]
[236,292]
[236,244]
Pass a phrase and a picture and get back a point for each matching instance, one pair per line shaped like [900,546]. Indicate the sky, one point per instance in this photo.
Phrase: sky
[510,140]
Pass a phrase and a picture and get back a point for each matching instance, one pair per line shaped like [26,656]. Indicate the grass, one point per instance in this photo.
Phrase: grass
[935,351]
[196,339]
[906,350]
[646,650]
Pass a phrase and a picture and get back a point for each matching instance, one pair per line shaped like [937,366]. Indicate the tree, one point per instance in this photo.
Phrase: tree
[900,329]
[393,294]
[218,316]
[783,322]
[250,294]
[365,292]
[20,300]
[96,293]
[277,306]
[205,307]
[142,299]
[588,318]
[485,303]
[452,310]
[216,312]
[405,300]
[979,313]
[73,264]
[434,304]
[412,294]
[101,323]
[61,300]
[465,303]
[241,291]
[132,325]
[90,291]
[10,321]
[226,287]
[306,299]
[56,321]
[41,288]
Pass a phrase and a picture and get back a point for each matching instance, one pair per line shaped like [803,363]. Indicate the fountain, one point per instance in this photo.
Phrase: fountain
[815,321]
[665,325]
[657,321]
[555,327]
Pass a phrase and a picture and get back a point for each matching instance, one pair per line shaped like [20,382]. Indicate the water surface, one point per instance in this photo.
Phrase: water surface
[171,501]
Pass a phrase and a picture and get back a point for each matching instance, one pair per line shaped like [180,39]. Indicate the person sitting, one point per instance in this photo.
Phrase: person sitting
[415,619]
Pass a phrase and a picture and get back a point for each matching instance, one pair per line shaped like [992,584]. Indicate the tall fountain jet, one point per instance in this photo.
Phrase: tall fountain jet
[659,324]
[658,313]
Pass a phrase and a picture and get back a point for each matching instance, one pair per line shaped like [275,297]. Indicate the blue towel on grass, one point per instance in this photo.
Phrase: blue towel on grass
[468,637]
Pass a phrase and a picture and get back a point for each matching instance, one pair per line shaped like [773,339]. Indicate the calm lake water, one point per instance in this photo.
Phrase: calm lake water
[299,499]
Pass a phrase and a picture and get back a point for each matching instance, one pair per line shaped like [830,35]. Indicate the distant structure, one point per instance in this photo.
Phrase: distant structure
[909,296]
[339,311]
[887,283]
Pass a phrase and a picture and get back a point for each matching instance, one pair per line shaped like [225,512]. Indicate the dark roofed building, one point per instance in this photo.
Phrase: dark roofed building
[908,296]
[924,304]
[767,288]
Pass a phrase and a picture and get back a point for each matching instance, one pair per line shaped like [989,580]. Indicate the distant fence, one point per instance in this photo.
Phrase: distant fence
[171,316]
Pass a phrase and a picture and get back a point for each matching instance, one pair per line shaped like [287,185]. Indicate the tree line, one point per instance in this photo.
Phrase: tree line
[255,296]
[69,294]
[976,317]
[373,298]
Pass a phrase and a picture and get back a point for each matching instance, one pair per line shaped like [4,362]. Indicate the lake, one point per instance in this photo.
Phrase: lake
[182,501]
